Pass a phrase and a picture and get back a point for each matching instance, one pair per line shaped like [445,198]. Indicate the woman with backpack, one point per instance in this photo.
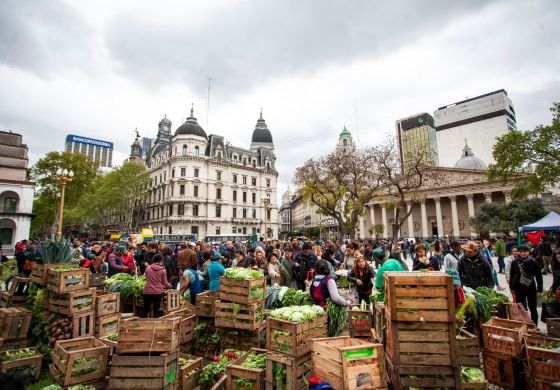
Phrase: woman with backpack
[526,281]
[191,280]
[324,287]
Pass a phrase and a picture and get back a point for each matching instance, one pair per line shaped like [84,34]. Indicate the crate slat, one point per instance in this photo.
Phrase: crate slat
[242,291]
[62,282]
[144,372]
[72,302]
[106,325]
[239,316]
[14,323]
[405,376]
[468,349]
[360,322]
[187,379]
[236,370]
[149,335]
[298,340]
[544,364]
[205,303]
[107,303]
[298,371]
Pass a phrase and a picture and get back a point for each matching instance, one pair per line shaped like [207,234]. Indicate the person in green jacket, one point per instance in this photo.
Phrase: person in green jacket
[500,250]
[386,265]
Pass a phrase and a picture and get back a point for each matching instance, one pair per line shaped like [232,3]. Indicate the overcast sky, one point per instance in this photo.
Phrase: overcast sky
[102,68]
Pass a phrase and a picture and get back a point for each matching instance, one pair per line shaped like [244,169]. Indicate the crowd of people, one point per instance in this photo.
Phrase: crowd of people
[316,266]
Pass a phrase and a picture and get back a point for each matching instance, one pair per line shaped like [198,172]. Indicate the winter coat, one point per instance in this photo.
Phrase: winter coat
[156,279]
[531,268]
[366,276]
[475,272]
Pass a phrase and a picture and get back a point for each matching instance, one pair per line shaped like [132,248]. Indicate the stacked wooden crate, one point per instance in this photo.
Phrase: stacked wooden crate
[503,354]
[468,355]
[14,325]
[360,322]
[348,363]
[246,378]
[288,359]
[107,313]
[16,295]
[543,358]
[78,306]
[147,354]
[241,304]
[420,330]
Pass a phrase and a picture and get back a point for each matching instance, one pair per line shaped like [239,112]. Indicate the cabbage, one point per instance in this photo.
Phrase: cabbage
[239,273]
[297,314]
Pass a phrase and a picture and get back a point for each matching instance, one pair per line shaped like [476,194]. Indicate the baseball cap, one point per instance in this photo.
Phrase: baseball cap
[192,244]
[378,253]
[91,256]
[121,248]
[217,256]
[471,247]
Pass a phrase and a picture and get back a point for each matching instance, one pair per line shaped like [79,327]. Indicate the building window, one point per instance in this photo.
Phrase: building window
[244,213]
[234,195]
[254,197]
[194,230]
[268,212]
[244,161]
[218,175]
[254,230]
[184,150]
[170,230]
[183,172]
[10,205]
[235,159]
[182,189]
[173,172]
[172,187]
[254,213]
[234,230]
[196,171]
[254,163]
[195,210]
[218,211]
[170,211]
[164,176]
[254,181]
[181,209]
[234,213]
[196,151]
[244,230]
[268,183]
[244,179]
[218,193]
[244,197]
[217,230]
[195,191]
[235,178]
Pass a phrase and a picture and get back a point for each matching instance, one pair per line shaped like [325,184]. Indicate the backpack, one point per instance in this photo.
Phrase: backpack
[320,294]
[195,287]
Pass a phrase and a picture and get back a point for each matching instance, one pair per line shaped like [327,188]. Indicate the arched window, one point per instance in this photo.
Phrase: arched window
[184,150]
[10,205]
[344,142]
[196,151]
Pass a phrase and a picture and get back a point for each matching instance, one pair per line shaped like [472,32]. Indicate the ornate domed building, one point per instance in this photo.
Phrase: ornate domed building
[202,186]
[468,160]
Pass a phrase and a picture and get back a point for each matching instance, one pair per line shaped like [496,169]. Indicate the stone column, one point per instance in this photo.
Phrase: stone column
[410,220]
[454,216]
[507,195]
[424,219]
[384,220]
[362,227]
[488,197]
[372,214]
[470,204]
[439,218]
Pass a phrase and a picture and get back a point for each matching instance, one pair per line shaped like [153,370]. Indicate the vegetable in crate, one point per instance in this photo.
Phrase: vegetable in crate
[9,356]
[337,318]
[297,314]
[239,273]
[472,374]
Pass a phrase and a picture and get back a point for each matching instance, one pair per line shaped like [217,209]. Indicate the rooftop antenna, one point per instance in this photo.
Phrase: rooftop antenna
[208,101]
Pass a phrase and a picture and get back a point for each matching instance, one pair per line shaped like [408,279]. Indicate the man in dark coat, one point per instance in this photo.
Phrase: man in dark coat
[473,269]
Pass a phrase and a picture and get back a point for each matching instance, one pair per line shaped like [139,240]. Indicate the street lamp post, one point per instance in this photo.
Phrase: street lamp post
[63,176]
[266,202]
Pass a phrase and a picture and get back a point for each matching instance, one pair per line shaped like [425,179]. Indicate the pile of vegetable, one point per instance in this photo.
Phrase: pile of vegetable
[281,296]
[112,336]
[472,374]
[69,267]
[205,338]
[57,251]
[22,353]
[61,329]
[127,285]
[337,318]
[239,273]
[362,307]
[480,304]
[299,314]
[255,360]
[214,371]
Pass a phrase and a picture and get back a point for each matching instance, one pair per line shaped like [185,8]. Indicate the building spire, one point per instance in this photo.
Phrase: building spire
[261,113]
[192,110]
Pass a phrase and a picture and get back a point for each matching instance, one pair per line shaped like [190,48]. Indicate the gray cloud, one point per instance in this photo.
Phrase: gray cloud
[250,42]
[43,36]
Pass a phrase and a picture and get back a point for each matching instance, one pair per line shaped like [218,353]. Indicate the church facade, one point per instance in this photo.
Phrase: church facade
[201,185]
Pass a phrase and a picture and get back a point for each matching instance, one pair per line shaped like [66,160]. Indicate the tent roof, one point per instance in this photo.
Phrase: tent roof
[550,222]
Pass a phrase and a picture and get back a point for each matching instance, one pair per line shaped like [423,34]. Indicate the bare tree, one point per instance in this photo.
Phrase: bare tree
[340,185]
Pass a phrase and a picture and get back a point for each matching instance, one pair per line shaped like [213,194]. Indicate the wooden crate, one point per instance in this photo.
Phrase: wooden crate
[242,291]
[83,324]
[111,344]
[296,341]
[504,336]
[406,376]
[515,311]
[171,301]
[236,370]
[379,323]
[419,296]
[221,384]
[421,343]
[9,300]
[29,367]
[503,370]
[39,272]
[97,280]
[468,349]
[73,302]
[205,303]
[553,327]
[360,322]
[298,371]
[144,372]
[348,363]
[14,323]
[243,339]
[73,356]
[544,364]
[149,336]
[106,325]
[187,374]
[534,384]
[6,345]
[188,323]
[19,286]
[62,282]
[239,316]
[107,303]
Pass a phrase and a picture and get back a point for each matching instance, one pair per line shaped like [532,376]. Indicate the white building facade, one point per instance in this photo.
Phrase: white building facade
[478,121]
[16,191]
[202,185]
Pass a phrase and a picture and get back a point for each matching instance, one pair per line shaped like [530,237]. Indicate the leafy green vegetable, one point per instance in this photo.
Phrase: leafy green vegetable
[66,268]
[255,360]
[337,318]
[23,353]
[239,273]
[472,374]
[297,314]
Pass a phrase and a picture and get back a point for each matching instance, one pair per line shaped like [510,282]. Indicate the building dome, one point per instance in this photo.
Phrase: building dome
[261,134]
[468,160]
[191,127]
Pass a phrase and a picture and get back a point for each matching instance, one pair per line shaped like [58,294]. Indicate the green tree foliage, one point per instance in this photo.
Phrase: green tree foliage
[48,188]
[535,153]
[507,217]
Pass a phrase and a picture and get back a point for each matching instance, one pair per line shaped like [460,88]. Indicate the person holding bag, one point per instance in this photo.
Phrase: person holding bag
[526,281]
